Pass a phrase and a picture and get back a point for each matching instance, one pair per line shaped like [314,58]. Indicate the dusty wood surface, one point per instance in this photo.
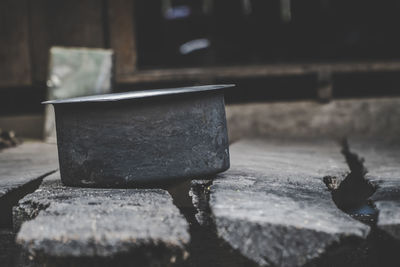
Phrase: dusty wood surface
[122,36]
[378,117]
[274,208]
[251,71]
[25,163]
[121,226]
[382,161]
[15,63]
[76,23]
[21,169]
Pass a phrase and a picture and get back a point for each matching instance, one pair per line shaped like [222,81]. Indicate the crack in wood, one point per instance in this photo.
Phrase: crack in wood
[11,199]
[206,248]
[352,194]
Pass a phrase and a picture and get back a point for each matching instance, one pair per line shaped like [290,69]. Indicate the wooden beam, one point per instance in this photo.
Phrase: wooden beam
[122,36]
[251,71]
[72,23]
[15,63]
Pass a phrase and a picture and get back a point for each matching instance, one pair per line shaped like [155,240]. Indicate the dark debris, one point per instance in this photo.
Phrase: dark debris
[8,139]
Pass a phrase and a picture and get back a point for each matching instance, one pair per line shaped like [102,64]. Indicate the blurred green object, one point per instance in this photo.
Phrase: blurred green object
[79,71]
[76,72]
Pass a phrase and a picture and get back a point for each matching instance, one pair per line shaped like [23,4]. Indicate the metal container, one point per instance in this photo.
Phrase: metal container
[142,137]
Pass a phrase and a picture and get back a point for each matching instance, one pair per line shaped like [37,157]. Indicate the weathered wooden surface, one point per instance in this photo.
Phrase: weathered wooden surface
[253,71]
[382,161]
[77,23]
[100,226]
[337,119]
[20,168]
[25,163]
[15,63]
[122,35]
[274,208]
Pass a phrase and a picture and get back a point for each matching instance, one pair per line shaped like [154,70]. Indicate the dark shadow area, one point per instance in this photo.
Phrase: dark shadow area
[363,85]
[257,31]
[22,100]
[271,89]
[349,252]
[8,248]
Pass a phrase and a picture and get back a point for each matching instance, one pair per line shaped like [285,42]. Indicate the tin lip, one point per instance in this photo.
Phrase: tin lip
[139,94]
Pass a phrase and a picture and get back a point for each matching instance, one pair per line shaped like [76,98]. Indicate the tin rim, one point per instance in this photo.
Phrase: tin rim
[139,94]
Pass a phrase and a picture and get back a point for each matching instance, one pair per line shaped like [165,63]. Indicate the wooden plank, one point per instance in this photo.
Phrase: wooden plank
[252,71]
[15,63]
[20,168]
[273,207]
[75,226]
[73,23]
[122,36]
[381,160]
[25,163]
[373,117]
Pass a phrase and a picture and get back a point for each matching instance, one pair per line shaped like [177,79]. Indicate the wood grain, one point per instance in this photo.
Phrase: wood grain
[122,36]
[15,64]
[73,23]
[253,71]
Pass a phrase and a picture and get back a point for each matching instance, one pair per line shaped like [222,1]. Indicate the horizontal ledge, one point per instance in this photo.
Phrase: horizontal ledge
[249,71]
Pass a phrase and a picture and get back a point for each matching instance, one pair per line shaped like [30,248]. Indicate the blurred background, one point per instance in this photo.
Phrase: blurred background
[274,50]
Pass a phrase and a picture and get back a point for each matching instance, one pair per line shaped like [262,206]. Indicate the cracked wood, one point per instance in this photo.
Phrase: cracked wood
[77,225]
[382,163]
[273,207]
[20,169]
